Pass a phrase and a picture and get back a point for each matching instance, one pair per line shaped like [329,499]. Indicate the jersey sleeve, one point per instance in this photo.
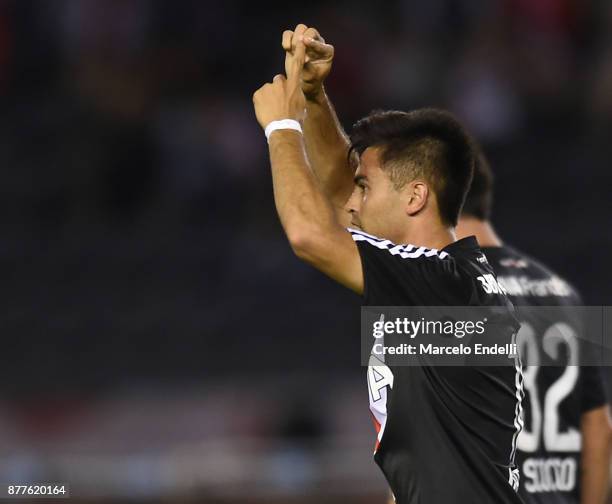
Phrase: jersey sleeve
[593,389]
[394,273]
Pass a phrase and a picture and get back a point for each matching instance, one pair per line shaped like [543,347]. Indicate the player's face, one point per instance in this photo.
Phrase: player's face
[376,206]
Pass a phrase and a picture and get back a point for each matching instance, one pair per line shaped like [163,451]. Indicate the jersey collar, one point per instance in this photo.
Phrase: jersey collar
[465,244]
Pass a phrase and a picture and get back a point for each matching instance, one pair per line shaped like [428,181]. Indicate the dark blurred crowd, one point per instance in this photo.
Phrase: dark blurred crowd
[140,240]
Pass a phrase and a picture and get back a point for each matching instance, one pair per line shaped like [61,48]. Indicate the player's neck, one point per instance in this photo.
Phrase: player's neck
[483,230]
[432,237]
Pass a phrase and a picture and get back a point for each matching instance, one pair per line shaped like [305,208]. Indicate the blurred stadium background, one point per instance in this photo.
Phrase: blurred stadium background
[160,341]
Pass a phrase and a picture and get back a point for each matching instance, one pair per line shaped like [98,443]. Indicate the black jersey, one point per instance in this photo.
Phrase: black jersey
[555,396]
[445,434]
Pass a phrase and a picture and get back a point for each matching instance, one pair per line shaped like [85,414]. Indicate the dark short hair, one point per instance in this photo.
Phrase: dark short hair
[479,199]
[426,143]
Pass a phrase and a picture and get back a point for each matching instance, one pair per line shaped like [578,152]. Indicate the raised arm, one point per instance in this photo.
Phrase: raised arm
[596,443]
[326,142]
[306,213]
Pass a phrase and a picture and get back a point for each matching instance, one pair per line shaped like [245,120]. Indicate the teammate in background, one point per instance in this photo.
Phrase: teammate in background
[563,452]
[445,434]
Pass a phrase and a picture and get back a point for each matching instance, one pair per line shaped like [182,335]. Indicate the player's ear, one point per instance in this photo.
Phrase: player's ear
[417,193]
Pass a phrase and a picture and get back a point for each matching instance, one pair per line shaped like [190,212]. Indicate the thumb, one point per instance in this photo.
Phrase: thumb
[279,79]
[323,50]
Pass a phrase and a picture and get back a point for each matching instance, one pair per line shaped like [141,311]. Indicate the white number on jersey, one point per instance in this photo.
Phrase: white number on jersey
[548,423]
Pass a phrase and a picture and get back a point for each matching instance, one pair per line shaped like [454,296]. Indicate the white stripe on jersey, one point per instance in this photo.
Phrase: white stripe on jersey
[513,478]
[406,251]
[513,474]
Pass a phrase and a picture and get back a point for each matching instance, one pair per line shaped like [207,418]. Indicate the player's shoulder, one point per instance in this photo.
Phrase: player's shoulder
[450,268]
[525,276]
[392,250]
[410,266]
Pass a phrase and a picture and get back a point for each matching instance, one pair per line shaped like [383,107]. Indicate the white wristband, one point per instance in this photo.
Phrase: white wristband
[282,124]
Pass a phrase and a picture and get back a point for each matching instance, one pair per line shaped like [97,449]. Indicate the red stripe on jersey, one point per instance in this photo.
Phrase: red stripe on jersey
[377,426]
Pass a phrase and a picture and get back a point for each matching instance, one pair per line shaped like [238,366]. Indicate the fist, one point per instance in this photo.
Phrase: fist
[318,59]
[283,97]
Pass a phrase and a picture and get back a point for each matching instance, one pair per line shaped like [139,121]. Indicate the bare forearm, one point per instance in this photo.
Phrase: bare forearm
[596,443]
[327,146]
[302,207]
[594,479]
